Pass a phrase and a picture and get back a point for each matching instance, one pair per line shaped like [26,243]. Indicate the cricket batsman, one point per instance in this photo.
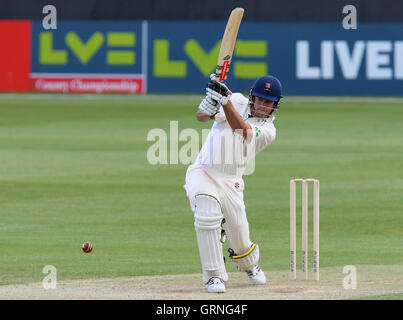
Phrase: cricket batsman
[242,128]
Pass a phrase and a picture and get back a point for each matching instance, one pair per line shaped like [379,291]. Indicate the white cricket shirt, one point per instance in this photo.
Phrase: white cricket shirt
[225,150]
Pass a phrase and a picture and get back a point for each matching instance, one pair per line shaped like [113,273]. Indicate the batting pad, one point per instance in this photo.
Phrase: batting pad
[208,218]
[248,260]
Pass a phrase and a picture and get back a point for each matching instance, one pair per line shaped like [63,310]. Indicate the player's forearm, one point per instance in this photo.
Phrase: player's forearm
[235,121]
[202,117]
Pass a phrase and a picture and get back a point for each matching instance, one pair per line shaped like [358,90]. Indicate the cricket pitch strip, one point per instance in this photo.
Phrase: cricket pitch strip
[371,281]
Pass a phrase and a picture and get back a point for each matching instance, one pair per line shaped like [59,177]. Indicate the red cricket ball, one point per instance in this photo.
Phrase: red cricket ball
[87,247]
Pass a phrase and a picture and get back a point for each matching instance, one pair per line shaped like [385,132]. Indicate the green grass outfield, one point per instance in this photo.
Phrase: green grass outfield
[74,169]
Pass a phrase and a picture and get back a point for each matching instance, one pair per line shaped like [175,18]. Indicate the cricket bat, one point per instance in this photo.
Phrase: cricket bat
[228,44]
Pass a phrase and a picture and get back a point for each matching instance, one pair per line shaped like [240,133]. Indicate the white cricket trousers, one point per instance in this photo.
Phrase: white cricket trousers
[213,197]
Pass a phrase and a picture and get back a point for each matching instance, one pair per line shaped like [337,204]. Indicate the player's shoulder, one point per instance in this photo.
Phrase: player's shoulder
[239,98]
[266,123]
[269,122]
[264,128]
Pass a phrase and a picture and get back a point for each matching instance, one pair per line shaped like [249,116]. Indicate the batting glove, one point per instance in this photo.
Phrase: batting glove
[209,106]
[218,91]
